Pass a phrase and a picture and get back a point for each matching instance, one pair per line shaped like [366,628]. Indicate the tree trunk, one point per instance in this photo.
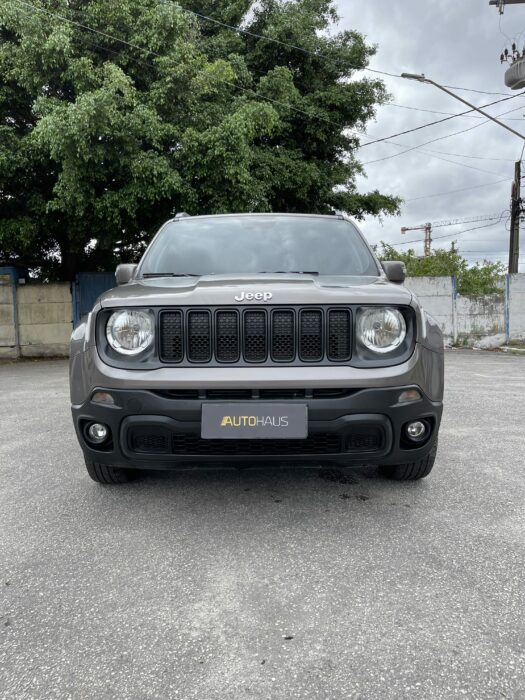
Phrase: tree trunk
[69,265]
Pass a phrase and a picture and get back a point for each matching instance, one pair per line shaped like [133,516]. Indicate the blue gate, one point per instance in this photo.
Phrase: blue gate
[88,286]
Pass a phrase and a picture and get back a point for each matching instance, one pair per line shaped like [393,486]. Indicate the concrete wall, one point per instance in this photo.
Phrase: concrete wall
[516,307]
[7,319]
[436,294]
[479,316]
[465,319]
[44,316]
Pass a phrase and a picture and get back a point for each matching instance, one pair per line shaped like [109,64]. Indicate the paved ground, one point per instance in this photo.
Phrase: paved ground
[221,585]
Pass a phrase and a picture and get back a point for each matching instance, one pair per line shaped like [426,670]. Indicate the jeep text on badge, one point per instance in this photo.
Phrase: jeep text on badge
[251,296]
[257,339]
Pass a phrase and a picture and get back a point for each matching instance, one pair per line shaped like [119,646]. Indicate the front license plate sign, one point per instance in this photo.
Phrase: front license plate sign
[254,421]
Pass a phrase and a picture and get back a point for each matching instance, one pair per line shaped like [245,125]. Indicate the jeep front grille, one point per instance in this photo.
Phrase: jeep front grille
[255,335]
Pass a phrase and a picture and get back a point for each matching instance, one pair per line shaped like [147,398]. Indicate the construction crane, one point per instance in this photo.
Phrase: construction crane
[427,228]
[467,220]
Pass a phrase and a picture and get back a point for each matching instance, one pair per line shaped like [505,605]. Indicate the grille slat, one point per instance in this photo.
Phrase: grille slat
[171,336]
[311,335]
[283,335]
[199,336]
[339,343]
[227,333]
[255,335]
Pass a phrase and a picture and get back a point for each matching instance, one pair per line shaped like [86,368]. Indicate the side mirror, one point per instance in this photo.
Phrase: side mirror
[395,271]
[124,273]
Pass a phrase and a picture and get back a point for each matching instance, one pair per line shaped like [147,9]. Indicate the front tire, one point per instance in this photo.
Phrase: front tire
[106,474]
[411,471]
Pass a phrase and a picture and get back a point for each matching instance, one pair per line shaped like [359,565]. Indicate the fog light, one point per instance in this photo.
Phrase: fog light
[97,433]
[416,430]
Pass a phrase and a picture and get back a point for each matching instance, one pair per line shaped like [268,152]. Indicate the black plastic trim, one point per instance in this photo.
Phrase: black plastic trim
[193,312]
[324,414]
[252,310]
[351,333]
[217,313]
[274,311]
[323,313]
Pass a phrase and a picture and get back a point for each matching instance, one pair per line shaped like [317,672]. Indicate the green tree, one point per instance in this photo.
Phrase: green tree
[105,133]
[482,278]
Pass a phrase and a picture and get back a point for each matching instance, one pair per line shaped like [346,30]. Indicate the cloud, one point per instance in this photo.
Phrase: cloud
[455,43]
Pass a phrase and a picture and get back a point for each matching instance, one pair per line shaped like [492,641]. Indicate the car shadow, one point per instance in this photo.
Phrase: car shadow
[281,485]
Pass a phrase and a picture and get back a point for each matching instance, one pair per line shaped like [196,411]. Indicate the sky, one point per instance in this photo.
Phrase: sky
[454,42]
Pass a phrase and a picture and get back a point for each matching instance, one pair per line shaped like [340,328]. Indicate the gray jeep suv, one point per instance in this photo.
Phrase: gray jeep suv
[257,338]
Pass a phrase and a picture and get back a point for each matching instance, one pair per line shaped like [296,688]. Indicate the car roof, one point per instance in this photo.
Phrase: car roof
[332,217]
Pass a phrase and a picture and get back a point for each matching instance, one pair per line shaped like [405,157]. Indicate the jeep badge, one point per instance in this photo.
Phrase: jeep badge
[254,296]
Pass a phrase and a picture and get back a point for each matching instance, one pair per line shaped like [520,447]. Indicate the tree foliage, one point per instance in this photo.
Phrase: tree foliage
[482,278]
[101,140]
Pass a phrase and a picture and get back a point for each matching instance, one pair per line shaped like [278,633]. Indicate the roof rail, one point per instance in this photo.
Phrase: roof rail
[181,215]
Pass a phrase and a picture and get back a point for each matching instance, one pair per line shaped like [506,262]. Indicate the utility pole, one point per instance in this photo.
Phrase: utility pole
[514,243]
[515,74]
[423,79]
[427,228]
[500,4]
[428,239]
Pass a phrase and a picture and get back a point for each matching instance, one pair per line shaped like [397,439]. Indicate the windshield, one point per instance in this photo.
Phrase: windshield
[244,244]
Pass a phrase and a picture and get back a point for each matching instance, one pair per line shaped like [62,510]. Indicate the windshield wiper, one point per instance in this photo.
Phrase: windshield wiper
[149,275]
[288,272]
[169,274]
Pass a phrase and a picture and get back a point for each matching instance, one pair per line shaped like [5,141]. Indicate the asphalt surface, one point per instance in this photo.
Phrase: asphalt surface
[264,584]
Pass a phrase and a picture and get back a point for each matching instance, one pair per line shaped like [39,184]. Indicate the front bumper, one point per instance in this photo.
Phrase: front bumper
[153,429]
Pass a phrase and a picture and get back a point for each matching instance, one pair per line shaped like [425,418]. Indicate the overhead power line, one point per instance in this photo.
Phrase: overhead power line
[480,92]
[439,121]
[465,155]
[439,138]
[454,162]
[449,114]
[461,189]
[158,55]
[238,29]
[233,85]
[432,153]
[318,54]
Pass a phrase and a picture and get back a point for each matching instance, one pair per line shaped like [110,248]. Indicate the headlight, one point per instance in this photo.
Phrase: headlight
[129,332]
[381,330]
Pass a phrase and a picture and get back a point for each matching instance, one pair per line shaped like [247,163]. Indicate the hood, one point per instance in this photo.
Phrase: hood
[221,290]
